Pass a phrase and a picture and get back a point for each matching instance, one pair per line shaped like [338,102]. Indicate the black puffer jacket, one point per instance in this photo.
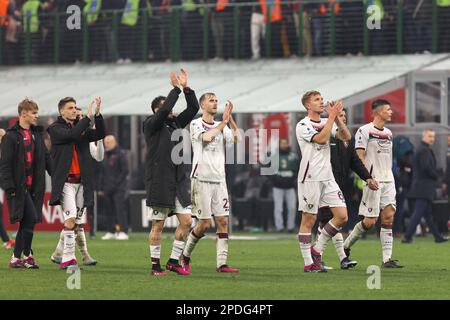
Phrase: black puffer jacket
[12,171]
[63,139]
[425,174]
[165,180]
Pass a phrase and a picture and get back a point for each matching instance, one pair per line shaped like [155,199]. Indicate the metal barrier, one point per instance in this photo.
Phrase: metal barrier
[239,31]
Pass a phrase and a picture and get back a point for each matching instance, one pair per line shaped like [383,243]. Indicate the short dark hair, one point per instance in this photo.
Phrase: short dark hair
[308,95]
[156,103]
[379,102]
[64,101]
[205,96]
[27,105]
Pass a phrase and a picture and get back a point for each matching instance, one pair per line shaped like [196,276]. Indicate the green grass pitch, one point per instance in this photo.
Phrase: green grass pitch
[270,269]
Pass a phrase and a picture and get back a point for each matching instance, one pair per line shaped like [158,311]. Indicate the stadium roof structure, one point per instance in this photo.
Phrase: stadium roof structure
[253,86]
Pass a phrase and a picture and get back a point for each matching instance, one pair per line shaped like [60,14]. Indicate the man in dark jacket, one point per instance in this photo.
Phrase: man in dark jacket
[24,159]
[72,179]
[423,188]
[113,186]
[168,184]
[284,183]
[7,242]
[344,159]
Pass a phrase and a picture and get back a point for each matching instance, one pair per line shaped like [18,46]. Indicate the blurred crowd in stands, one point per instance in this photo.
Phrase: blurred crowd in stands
[158,30]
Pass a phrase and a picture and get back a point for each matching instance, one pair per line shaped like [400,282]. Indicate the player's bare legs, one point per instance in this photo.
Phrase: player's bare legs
[179,242]
[330,229]
[194,236]
[154,241]
[222,244]
[386,237]
[69,244]
[305,237]
[80,238]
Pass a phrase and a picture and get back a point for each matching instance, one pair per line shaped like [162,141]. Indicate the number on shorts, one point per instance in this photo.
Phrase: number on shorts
[225,205]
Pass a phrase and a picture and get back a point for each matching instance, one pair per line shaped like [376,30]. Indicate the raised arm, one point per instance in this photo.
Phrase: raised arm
[210,135]
[99,132]
[157,121]
[343,132]
[324,136]
[185,117]
[236,132]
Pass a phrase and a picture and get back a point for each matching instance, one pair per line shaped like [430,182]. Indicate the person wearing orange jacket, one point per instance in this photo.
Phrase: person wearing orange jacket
[4,8]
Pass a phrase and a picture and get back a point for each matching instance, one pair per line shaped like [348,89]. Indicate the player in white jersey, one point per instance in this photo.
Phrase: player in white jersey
[316,184]
[209,190]
[373,143]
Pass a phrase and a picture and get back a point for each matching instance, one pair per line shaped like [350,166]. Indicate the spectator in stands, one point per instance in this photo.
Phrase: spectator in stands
[245,18]
[349,28]
[99,19]
[71,40]
[191,29]
[423,188]
[443,19]
[306,28]
[284,184]
[130,31]
[382,40]
[288,33]
[10,29]
[317,13]
[4,21]
[257,30]
[31,15]
[49,10]
[159,27]
[113,186]
[222,28]
[418,25]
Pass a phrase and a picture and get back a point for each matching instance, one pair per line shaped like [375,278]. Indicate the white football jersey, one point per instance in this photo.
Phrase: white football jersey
[209,158]
[378,146]
[315,164]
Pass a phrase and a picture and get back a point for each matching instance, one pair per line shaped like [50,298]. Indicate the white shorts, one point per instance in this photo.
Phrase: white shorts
[209,199]
[373,201]
[159,213]
[72,203]
[313,195]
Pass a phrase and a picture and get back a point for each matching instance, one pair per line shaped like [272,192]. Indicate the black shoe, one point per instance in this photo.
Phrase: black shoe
[347,252]
[440,240]
[407,240]
[391,264]
[346,263]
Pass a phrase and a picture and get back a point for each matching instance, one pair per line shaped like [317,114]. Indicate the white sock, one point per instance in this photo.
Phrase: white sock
[386,239]
[305,247]
[338,241]
[222,249]
[190,244]
[328,231]
[155,254]
[60,246]
[177,249]
[319,231]
[356,233]
[82,244]
[69,245]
